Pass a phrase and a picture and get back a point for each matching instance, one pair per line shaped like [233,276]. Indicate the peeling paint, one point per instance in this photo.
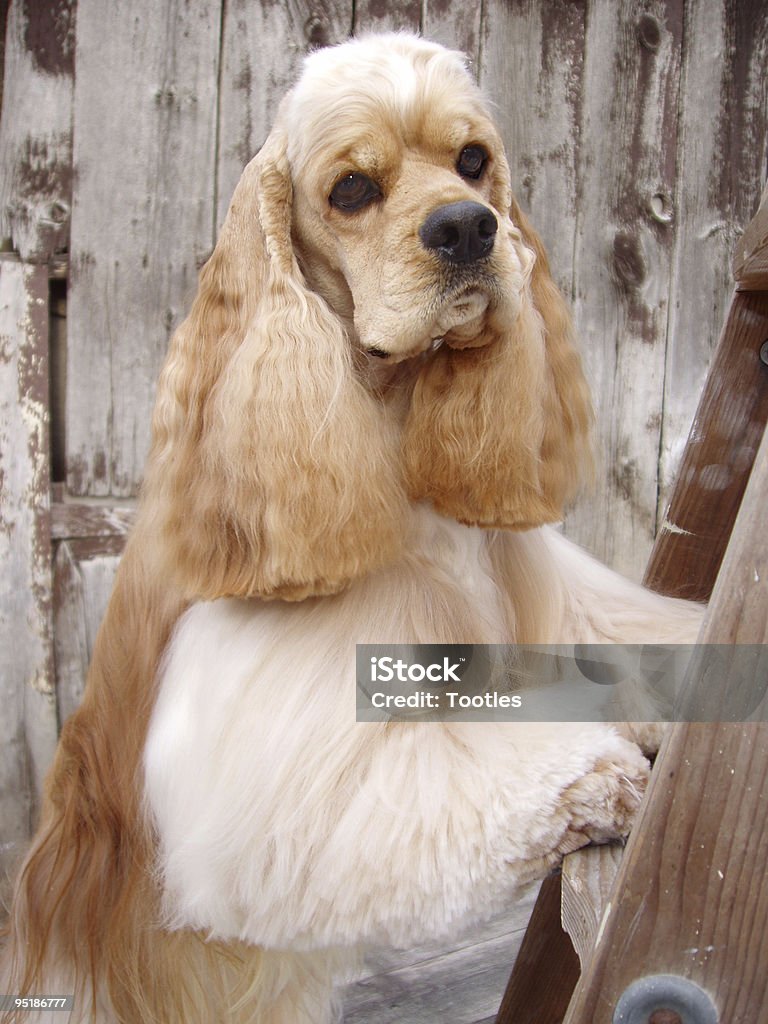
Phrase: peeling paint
[26,476]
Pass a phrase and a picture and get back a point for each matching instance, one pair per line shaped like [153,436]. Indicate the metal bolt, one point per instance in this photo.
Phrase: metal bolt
[764,353]
[664,999]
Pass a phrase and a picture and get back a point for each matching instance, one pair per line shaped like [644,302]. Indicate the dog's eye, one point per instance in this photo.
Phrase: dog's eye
[353,192]
[471,162]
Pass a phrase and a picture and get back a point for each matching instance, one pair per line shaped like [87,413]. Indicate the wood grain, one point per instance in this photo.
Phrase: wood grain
[142,220]
[718,459]
[26,655]
[546,968]
[460,981]
[750,261]
[623,255]
[691,897]
[84,575]
[587,878]
[395,16]
[532,66]
[77,520]
[721,168]
[36,128]
[262,46]
[457,26]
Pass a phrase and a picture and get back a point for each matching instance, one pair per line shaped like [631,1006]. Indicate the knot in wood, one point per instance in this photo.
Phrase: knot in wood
[628,259]
[649,32]
[316,31]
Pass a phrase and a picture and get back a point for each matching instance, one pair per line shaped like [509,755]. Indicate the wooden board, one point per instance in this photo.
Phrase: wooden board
[457,26]
[398,16]
[460,981]
[623,261]
[750,261]
[36,128]
[84,573]
[691,897]
[693,900]
[142,219]
[26,658]
[262,48]
[531,67]
[721,166]
[546,968]
[717,461]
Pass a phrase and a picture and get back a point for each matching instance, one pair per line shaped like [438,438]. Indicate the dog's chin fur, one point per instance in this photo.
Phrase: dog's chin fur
[219,836]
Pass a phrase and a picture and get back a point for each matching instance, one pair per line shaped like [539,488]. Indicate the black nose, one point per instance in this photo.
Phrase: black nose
[460,232]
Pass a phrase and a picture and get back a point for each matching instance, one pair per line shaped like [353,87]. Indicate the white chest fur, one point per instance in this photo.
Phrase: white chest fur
[282,821]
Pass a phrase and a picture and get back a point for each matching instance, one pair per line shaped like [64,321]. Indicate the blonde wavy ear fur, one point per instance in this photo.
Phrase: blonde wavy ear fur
[263,479]
[498,434]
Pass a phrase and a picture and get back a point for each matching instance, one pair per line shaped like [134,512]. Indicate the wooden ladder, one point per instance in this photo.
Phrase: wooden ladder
[688,897]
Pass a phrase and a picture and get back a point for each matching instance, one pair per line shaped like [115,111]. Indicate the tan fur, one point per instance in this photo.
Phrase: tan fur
[499,434]
[86,886]
[261,475]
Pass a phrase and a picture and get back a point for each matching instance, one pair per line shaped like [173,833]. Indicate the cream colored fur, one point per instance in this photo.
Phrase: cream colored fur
[220,838]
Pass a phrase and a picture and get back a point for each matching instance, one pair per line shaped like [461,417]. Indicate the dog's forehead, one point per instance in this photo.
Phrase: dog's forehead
[395,82]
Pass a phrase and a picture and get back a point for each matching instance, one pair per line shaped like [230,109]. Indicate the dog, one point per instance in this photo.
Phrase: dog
[363,432]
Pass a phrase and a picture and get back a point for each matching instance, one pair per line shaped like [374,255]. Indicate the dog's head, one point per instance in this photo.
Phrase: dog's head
[376,325]
[401,197]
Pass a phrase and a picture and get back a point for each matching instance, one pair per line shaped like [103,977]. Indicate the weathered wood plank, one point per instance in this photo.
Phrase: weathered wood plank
[459,988]
[691,896]
[462,983]
[750,261]
[455,25]
[142,219]
[722,150]
[36,128]
[586,882]
[738,611]
[262,48]
[71,521]
[623,257]
[718,458]
[531,66]
[26,668]
[687,556]
[546,968]
[84,575]
[383,16]
[70,642]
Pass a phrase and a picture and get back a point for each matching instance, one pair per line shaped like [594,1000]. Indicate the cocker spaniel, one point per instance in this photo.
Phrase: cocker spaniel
[362,429]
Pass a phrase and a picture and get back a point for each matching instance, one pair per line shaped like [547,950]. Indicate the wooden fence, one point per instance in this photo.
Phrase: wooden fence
[637,137]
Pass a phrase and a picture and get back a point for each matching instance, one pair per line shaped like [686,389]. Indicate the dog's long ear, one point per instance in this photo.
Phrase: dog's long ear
[498,434]
[273,471]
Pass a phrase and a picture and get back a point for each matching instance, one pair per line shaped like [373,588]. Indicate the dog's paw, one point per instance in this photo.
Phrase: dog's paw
[602,804]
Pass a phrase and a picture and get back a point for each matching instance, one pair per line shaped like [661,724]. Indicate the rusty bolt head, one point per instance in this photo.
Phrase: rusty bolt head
[665,1017]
